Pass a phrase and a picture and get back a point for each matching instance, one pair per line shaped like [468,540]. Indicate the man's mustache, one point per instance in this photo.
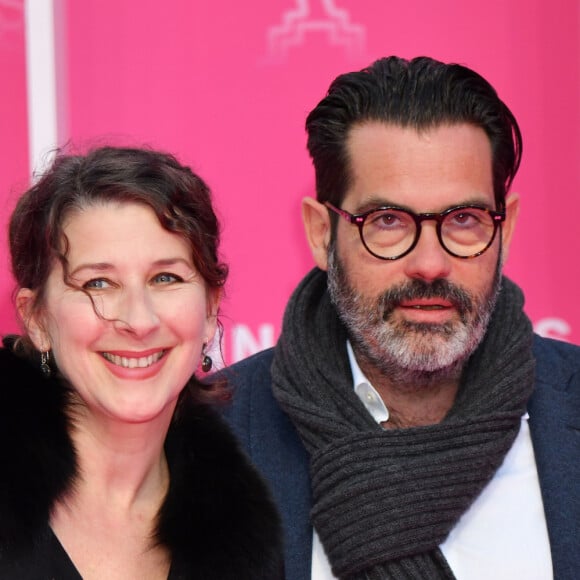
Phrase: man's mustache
[419,289]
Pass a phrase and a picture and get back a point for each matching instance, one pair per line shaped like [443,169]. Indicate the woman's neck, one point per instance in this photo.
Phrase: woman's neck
[107,522]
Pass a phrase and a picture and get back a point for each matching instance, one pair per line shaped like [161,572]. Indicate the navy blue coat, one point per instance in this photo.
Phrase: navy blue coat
[274,446]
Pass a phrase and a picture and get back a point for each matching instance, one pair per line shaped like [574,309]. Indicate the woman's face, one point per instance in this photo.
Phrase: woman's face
[131,362]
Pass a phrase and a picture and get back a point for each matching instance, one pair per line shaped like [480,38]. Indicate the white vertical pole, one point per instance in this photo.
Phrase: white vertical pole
[41,83]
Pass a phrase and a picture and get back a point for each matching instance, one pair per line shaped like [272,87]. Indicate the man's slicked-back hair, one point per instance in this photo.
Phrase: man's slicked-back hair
[421,93]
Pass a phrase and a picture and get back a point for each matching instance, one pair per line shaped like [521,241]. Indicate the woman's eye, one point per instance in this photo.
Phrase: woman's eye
[96,284]
[166,278]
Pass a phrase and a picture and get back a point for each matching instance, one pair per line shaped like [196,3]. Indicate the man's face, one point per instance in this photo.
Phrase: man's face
[425,312]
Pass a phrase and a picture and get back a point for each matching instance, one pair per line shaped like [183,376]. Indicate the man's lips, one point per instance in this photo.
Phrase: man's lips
[426,304]
[425,310]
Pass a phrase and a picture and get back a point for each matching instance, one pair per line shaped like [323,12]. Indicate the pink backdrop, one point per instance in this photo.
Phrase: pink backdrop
[227,86]
[14,160]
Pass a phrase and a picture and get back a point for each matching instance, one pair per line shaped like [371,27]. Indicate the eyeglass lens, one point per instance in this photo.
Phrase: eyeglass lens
[464,232]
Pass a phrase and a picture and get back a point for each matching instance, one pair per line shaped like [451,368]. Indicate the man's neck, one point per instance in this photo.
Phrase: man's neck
[413,399]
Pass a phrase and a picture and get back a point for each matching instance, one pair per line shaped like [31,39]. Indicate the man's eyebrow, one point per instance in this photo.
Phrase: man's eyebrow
[375,201]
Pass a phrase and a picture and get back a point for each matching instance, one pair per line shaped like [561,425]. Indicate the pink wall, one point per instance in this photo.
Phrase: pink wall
[13,137]
[227,87]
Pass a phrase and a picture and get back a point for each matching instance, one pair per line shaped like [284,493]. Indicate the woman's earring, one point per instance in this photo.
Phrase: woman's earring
[206,362]
[44,358]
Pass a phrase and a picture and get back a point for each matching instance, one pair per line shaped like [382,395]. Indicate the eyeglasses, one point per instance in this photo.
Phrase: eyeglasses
[389,233]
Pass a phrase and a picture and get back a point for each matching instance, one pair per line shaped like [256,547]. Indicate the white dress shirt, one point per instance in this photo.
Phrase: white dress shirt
[503,534]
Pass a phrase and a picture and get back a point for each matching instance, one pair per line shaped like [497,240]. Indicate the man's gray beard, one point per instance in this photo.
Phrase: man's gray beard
[410,352]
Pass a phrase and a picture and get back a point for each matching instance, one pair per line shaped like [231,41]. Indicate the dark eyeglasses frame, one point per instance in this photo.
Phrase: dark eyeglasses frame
[359,219]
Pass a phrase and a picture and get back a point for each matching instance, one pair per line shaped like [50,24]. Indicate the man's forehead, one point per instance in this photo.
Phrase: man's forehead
[422,170]
[374,130]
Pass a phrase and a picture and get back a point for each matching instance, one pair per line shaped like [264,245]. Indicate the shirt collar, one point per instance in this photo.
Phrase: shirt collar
[363,389]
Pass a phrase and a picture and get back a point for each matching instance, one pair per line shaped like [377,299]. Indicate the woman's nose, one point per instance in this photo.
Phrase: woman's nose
[137,313]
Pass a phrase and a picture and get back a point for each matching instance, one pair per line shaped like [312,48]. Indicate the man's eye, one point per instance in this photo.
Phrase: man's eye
[388,219]
[166,278]
[96,284]
[470,218]
[463,218]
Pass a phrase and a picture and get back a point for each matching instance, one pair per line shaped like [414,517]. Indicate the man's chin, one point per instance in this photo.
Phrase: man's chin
[420,347]
[411,330]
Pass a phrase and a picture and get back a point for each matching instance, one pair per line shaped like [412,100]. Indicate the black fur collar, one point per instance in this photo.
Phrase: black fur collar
[218,519]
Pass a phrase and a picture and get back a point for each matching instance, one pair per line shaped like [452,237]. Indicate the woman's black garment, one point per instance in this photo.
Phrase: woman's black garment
[217,521]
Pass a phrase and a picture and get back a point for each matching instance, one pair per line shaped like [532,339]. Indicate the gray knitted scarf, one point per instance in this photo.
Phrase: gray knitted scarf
[384,500]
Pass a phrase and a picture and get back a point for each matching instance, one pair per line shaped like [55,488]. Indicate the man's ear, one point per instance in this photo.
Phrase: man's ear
[317,227]
[512,210]
[24,302]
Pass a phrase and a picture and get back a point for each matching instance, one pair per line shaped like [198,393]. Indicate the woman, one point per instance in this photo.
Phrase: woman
[111,468]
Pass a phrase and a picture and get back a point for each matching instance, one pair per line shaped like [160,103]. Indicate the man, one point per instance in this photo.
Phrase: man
[409,422]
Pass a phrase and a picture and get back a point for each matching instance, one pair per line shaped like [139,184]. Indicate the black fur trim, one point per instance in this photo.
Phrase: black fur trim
[226,520]
[36,453]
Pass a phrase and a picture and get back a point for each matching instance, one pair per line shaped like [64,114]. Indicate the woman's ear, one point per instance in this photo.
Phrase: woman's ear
[24,306]
[214,298]
[318,231]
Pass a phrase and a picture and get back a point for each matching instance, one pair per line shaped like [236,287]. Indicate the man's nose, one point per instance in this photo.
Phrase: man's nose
[428,260]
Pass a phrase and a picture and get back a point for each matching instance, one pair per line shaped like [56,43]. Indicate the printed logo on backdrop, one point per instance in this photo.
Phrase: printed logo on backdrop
[243,341]
[315,16]
[554,327]
[10,16]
